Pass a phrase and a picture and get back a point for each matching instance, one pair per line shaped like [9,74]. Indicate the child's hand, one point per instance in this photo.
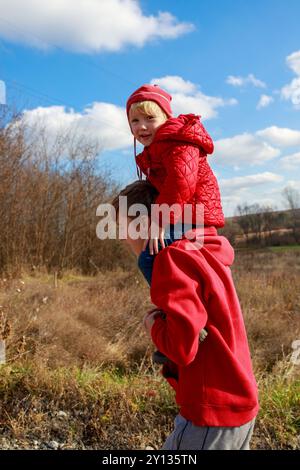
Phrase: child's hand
[153,242]
[203,334]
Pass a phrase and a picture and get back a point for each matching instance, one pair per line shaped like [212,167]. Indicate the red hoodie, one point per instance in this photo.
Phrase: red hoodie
[176,164]
[213,380]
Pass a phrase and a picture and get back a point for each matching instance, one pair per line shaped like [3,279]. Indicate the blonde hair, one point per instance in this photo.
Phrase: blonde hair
[149,108]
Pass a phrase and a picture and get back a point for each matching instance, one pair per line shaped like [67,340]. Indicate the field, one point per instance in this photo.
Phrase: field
[78,372]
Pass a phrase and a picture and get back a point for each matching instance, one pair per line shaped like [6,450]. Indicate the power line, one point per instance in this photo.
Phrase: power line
[59,48]
[37,94]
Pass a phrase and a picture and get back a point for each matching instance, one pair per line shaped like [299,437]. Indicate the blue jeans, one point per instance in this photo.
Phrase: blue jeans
[145,260]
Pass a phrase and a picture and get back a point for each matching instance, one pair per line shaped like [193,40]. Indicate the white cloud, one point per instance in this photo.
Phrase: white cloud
[187,97]
[81,26]
[244,149]
[291,91]
[104,123]
[264,101]
[2,93]
[281,136]
[262,188]
[235,81]
[291,162]
[293,184]
[293,62]
[174,83]
[244,81]
[249,181]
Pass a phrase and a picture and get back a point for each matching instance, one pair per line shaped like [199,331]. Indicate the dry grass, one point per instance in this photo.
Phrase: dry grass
[80,348]
[104,410]
[268,285]
[84,320]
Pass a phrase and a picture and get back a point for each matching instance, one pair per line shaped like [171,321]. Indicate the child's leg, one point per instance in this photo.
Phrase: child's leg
[187,436]
[145,264]
[145,260]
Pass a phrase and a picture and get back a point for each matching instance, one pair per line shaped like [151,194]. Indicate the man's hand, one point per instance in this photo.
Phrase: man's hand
[149,319]
[153,242]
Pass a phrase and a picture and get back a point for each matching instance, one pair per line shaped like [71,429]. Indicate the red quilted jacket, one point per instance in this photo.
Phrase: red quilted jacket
[176,164]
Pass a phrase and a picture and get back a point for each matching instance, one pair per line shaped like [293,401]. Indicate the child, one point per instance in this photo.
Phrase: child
[214,383]
[175,162]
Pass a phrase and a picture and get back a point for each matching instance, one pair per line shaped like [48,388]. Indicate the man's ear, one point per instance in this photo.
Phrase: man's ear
[145,224]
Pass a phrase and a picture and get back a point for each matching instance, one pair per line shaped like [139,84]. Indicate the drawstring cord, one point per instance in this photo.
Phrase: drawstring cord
[139,173]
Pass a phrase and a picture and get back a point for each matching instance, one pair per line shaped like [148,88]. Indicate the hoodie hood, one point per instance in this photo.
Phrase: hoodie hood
[208,240]
[185,128]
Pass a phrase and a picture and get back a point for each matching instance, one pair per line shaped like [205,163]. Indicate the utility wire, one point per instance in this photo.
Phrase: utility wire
[37,94]
[59,48]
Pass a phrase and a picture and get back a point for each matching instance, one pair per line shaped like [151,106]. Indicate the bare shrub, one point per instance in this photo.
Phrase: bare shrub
[50,188]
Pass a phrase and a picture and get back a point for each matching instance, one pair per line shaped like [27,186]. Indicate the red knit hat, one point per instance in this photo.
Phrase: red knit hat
[151,93]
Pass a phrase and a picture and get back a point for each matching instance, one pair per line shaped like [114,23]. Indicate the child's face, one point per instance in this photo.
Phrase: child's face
[144,126]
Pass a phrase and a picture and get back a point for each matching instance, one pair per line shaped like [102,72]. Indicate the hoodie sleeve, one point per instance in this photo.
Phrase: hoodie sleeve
[206,142]
[181,164]
[175,290]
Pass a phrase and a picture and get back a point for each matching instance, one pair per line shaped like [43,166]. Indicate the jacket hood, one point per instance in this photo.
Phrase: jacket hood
[185,128]
[208,240]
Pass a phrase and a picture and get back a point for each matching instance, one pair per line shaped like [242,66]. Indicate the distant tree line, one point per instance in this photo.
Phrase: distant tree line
[259,225]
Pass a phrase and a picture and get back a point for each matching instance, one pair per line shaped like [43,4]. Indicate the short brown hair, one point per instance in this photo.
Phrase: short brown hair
[138,192]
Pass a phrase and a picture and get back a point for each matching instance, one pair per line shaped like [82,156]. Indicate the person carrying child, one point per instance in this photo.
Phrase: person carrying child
[215,387]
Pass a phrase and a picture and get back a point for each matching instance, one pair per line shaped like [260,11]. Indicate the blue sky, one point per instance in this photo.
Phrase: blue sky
[235,62]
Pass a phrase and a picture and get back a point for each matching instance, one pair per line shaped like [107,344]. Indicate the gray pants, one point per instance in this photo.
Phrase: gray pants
[187,436]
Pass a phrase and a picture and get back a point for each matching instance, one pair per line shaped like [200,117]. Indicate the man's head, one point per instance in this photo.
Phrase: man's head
[147,109]
[138,192]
